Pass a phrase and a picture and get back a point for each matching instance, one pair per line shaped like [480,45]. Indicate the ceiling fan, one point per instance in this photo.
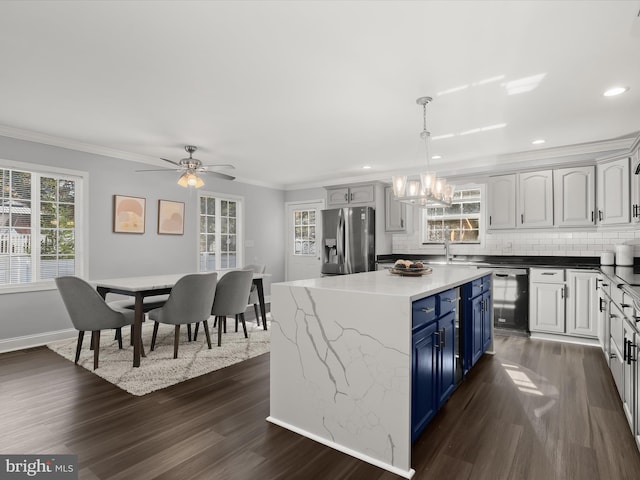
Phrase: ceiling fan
[190,167]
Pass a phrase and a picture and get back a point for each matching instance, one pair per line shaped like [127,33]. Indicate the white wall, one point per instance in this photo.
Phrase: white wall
[116,255]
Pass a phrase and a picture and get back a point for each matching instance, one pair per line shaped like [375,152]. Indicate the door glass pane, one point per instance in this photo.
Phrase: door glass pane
[304,232]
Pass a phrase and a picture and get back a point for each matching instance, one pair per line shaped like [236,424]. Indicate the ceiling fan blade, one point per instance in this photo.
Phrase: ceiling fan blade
[161,170]
[223,176]
[171,162]
[221,165]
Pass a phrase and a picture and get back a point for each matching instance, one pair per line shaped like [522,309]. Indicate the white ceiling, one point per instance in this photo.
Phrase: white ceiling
[306,93]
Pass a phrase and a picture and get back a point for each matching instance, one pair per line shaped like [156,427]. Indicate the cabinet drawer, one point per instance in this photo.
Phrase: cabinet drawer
[546,275]
[447,301]
[424,311]
[479,286]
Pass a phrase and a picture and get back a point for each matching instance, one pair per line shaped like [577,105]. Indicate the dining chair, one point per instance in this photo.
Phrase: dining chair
[253,294]
[230,300]
[90,313]
[190,301]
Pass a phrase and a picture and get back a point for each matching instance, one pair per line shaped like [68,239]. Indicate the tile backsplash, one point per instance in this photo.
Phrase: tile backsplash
[578,244]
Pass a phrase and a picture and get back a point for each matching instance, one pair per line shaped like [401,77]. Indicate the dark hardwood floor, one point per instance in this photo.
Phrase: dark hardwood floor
[535,410]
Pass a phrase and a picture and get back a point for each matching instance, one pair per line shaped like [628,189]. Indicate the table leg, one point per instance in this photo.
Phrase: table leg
[137,331]
[263,310]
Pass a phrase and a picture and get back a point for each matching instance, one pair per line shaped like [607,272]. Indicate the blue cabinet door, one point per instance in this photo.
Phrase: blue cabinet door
[446,357]
[487,320]
[424,378]
[477,328]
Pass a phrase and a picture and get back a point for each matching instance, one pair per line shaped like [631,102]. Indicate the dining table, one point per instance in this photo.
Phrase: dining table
[152,285]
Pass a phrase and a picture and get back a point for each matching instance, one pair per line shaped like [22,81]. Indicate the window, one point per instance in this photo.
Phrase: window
[39,221]
[220,236]
[304,224]
[462,219]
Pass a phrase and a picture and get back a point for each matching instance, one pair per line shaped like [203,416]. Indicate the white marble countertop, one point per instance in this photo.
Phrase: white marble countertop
[383,282]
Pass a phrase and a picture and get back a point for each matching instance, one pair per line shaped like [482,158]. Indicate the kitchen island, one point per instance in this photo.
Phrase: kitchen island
[343,350]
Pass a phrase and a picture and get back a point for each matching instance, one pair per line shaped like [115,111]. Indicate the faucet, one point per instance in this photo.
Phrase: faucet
[447,244]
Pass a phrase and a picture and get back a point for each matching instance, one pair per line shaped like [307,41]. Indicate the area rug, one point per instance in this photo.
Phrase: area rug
[159,369]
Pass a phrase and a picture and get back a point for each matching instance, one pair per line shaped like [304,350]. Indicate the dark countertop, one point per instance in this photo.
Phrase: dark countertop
[500,260]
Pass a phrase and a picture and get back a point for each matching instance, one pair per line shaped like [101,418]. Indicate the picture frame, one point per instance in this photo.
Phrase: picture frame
[129,214]
[170,217]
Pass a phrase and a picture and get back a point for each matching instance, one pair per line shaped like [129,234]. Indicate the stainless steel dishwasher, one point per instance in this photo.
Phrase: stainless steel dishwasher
[511,301]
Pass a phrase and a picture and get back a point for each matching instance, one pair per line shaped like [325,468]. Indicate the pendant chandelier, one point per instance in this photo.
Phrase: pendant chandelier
[429,190]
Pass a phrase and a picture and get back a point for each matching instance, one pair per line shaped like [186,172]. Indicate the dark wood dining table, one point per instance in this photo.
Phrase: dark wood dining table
[148,286]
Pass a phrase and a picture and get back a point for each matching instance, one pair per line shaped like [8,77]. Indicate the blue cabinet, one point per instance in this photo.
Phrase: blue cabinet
[434,356]
[477,319]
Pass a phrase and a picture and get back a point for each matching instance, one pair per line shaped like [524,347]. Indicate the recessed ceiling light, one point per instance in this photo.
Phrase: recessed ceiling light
[436,157]
[612,92]
[538,142]
[366,167]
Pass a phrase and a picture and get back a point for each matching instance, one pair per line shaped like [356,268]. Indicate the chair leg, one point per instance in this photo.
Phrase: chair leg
[79,346]
[195,332]
[215,322]
[255,309]
[188,332]
[244,325]
[225,323]
[205,324]
[155,334]
[219,330]
[236,323]
[96,347]
[119,337]
[176,339]
[131,334]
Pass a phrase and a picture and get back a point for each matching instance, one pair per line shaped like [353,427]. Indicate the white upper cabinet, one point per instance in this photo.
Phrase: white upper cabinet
[535,199]
[635,186]
[351,195]
[574,196]
[613,192]
[502,202]
[395,213]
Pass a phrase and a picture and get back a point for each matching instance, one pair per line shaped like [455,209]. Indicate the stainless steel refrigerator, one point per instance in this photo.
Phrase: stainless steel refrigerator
[348,240]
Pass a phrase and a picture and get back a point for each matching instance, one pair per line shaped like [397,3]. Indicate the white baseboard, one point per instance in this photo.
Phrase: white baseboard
[37,340]
[360,456]
[565,339]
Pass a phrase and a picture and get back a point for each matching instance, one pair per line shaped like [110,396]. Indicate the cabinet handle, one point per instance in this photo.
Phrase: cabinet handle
[599,215]
[346,197]
[428,310]
[624,351]
[443,337]
[600,305]
[562,292]
[437,343]
[613,315]
[401,223]
[450,300]
[521,218]
[630,347]
[592,215]
[489,219]
[605,284]
[351,197]
[625,305]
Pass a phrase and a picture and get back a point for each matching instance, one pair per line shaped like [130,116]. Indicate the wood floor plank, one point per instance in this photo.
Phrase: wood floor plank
[536,410]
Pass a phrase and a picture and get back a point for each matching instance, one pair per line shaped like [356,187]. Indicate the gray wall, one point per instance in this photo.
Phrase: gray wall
[120,255]
[303,195]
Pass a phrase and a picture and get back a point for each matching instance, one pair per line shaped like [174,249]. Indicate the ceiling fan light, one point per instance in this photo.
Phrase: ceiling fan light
[182,181]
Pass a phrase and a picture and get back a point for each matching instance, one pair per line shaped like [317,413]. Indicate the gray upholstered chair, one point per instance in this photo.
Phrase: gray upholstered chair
[253,294]
[190,301]
[90,313]
[230,300]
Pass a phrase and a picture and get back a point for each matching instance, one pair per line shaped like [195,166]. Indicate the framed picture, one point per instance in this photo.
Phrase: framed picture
[170,217]
[128,214]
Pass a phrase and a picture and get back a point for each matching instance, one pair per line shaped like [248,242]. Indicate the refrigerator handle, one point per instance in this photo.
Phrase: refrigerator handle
[340,237]
[346,229]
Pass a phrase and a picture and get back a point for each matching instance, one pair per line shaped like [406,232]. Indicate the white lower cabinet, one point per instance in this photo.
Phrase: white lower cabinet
[630,366]
[570,307]
[582,303]
[546,300]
